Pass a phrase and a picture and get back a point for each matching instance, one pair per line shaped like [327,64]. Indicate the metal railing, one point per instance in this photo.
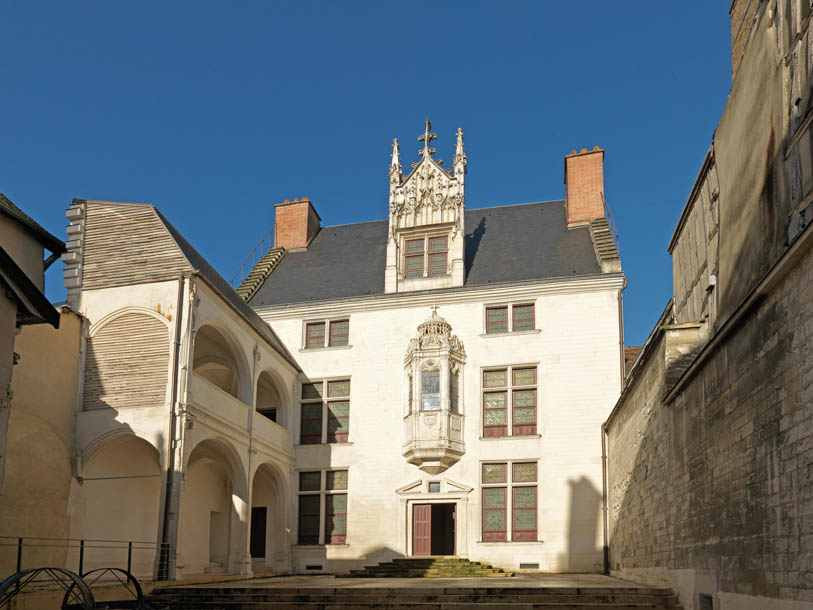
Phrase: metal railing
[259,250]
[80,554]
[611,223]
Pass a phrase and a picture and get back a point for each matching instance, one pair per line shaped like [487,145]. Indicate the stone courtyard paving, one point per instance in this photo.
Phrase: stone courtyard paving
[518,581]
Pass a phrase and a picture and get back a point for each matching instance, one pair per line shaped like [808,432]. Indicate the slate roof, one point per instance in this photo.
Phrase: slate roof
[214,279]
[50,242]
[509,243]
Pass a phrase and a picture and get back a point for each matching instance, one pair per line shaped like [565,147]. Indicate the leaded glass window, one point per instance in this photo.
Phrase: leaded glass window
[430,390]
[522,317]
[325,407]
[339,332]
[517,497]
[496,320]
[520,384]
[315,335]
[316,495]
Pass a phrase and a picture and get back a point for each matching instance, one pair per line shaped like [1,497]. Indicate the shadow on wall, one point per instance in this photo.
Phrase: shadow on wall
[317,560]
[584,529]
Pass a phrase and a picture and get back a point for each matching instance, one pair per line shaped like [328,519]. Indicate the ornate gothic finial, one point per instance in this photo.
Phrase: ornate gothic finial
[459,153]
[427,138]
[395,165]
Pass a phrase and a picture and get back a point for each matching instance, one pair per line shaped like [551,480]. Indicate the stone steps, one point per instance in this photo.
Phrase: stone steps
[415,598]
[429,567]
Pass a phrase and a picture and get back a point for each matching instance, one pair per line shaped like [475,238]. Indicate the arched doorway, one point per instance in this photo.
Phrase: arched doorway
[119,500]
[213,522]
[268,542]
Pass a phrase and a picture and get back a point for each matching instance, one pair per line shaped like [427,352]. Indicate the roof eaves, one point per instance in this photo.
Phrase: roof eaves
[50,241]
[26,292]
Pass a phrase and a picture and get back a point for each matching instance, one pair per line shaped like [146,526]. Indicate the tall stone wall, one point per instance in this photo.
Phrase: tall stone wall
[713,491]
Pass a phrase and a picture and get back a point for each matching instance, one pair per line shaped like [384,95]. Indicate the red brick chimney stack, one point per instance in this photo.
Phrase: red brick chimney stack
[296,223]
[584,185]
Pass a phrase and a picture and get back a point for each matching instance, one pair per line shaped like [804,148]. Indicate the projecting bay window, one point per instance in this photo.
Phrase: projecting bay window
[509,488]
[426,256]
[325,412]
[509,401]
[328,333]
[322,493]
[501,319]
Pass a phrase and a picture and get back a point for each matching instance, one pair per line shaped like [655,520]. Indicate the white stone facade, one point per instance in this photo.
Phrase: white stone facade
[575,350]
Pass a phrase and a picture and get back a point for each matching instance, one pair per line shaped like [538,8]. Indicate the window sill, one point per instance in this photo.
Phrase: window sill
[511,542]
[535,331]
[321,546]
[502,438]
[324,349]
[322,444]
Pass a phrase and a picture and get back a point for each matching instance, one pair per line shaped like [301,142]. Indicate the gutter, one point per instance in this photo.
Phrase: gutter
[163,564]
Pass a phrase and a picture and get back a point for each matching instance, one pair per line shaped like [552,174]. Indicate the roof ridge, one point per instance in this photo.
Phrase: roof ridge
[507,205]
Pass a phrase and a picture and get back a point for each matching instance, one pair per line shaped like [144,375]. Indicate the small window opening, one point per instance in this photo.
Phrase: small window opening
[434,487]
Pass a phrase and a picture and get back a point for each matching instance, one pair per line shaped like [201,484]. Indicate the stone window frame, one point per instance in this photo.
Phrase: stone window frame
[511,430]
[323,538]
[325,400]
[329,337]
[425,254]
[509,485]
[510,319]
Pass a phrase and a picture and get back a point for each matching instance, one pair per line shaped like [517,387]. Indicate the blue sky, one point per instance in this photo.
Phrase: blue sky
[216,111]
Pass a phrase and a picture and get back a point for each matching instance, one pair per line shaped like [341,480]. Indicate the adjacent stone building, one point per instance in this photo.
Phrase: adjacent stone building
[710,447]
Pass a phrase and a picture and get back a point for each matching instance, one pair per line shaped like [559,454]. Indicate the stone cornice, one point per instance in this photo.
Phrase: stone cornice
[477,294]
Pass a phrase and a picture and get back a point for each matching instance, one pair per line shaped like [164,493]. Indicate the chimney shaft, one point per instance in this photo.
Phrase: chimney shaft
[295,224]
[584,185]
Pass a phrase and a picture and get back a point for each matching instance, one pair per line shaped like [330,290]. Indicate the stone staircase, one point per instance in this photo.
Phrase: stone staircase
[261,270]
[429,567]
[414,598]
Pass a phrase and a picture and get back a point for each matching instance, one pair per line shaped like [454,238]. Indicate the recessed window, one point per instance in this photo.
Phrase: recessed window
[434,487]
[520,317]
[426,256]
[328,333]
[325,412]
[509,488]
[322,493]
[509,401]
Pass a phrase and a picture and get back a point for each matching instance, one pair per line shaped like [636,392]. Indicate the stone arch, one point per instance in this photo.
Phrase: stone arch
[111,438]
[268,539]
[271,399]
[214,510]
[119,499]
[127,360]
[218,358]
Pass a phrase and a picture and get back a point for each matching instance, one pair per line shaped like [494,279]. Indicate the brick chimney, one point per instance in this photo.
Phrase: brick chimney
[584,185]
[296,223]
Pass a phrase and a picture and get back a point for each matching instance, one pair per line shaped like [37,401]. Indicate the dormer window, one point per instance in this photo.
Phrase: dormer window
[426,256]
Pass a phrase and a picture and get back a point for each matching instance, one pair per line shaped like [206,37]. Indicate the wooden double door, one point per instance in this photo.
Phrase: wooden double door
[433,529]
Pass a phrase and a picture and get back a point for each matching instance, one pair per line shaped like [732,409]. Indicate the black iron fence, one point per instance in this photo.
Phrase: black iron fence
[143,558]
